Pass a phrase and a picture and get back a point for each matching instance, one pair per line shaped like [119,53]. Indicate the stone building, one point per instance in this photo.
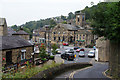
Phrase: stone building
[80,19]
[42,35]
[3,27]
[103,49]
[83,37]
[63,33]
[13,48]
[21,33]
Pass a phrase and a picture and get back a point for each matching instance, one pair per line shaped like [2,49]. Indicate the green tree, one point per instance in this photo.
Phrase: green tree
[106,21]
[64,22]
[63,17]
[54,47]
[52,23]
[42,52]
[71,16]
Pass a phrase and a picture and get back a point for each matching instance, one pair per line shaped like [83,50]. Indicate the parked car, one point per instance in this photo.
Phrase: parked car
[91,53]
[66,50]
[71,51]
[75,48]
[81,54]
[58,51]
[68,56]
[80,49]
[65,44]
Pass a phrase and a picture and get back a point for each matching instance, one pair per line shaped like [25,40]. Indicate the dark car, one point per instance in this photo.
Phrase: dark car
[68,56]
[71,51]
[75,48]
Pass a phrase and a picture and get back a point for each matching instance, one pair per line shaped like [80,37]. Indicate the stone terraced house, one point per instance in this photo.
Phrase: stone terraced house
[13,48]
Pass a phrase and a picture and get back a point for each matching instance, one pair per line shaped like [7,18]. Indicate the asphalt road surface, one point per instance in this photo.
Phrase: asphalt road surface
[94,72]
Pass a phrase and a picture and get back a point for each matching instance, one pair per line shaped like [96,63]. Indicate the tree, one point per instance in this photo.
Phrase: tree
[106,21]
[71,16]
[63,17]
[42,52]
[52,23]
[54,47]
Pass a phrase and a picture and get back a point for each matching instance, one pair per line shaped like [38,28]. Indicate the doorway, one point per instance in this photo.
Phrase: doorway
[9,57]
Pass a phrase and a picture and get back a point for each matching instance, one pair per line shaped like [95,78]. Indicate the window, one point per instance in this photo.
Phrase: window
[77,36]
[54,38]
[82,18]
[58,32]
[80,37]
[78,19]
[63,38]
[23,54]
[53,32]
[59,38]
[63,32]
[83,36]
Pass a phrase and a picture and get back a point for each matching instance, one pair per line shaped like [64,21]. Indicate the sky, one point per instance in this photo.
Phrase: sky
[21,11]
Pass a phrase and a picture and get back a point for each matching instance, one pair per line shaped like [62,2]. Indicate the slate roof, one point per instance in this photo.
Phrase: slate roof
[13,42]
[36,34]
[21,32]
[10,31]
[69,27]
[2,21]
[84,32]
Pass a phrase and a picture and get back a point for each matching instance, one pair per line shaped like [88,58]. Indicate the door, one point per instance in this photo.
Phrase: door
[9,57]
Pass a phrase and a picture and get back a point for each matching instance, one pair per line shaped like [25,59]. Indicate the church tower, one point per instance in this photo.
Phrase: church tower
[80,19]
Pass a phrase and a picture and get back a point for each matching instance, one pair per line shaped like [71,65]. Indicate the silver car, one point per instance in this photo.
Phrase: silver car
[81,54]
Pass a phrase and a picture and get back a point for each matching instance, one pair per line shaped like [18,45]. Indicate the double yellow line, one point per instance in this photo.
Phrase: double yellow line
[72,74]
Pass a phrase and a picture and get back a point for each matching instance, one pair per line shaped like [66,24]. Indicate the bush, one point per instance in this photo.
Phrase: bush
[51,57]
[44,59]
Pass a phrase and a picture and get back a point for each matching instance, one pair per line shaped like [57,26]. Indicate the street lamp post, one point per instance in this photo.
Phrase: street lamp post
[74,38]
[47,32]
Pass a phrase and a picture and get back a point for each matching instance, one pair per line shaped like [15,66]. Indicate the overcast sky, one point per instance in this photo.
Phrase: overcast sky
[20,11]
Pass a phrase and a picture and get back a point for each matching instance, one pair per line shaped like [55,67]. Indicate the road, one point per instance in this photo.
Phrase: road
[89,73]
[77,59]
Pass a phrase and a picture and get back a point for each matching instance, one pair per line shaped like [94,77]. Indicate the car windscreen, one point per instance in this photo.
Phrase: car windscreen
[81,52]
[91,52]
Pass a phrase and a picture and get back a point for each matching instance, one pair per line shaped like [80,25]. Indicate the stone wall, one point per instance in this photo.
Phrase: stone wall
[59,32]
[103,49]
[35,38]
[16,52]
[3,30]
[114,62]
